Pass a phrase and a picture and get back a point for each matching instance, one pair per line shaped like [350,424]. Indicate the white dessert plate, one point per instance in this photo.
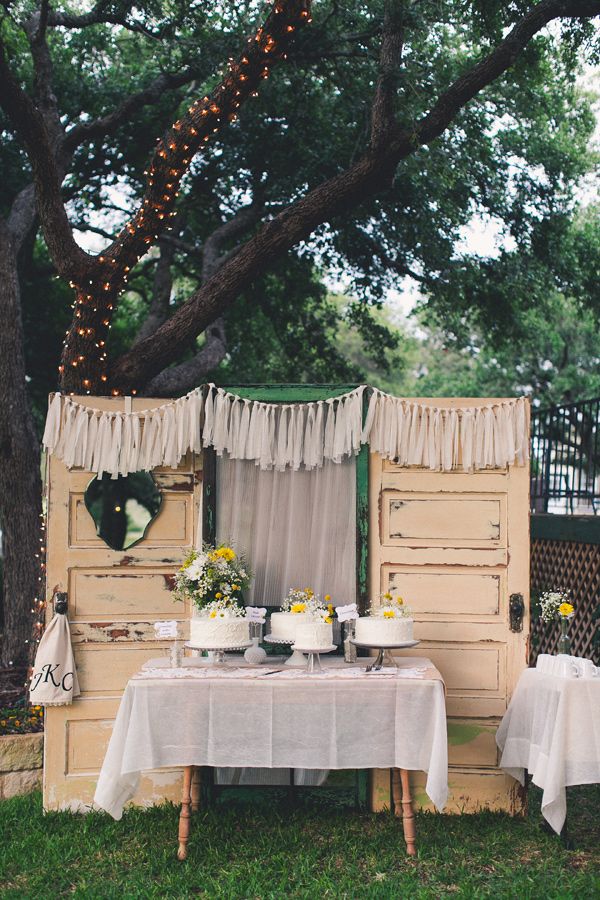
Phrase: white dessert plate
[374,646]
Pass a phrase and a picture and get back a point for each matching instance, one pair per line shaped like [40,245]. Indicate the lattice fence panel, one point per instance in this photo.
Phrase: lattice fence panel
[575,567]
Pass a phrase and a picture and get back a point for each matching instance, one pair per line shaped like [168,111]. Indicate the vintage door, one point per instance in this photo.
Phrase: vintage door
[114,599]
[457,546]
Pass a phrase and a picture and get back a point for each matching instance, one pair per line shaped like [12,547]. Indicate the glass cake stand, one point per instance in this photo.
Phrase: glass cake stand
[220,658]
[384,657]
[313,663]
[296,660]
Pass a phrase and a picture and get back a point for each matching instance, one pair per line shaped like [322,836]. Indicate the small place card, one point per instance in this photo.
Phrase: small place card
[347,613]
[256,614]
[166,629]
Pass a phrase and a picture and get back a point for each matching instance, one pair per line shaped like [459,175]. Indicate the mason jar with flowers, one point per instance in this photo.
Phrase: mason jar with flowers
[557,605]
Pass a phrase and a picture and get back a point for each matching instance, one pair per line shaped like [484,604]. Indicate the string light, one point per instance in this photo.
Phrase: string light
[204,118]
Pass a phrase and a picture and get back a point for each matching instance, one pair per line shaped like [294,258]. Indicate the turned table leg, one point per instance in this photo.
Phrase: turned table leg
[184,816]
[402,800]
[196,783]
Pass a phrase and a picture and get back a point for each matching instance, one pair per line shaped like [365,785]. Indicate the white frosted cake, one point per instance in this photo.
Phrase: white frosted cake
[284,624]
[219,632]
[314,635]
[379,630]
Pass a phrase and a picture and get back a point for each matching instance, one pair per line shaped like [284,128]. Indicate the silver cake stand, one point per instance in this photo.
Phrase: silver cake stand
[384,657]
[313,663]
[220,659]
[296,659]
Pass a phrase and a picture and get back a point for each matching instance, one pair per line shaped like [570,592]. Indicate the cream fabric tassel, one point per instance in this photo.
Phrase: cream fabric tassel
[493,435]
[281,436]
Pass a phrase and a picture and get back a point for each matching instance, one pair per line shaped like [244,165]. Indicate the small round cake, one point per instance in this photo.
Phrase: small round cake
[285,624]
[314,635]
[219,632]
[379,630]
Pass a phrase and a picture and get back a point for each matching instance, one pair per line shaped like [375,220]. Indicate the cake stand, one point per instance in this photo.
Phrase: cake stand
[219,659]
[384,657]
[314,662]
[296,659]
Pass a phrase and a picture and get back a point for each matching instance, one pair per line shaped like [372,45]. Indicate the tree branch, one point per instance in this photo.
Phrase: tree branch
[161,294]
[382,113]
[108,124]
[32,129]
[182,378]
[338,194]
[97,16]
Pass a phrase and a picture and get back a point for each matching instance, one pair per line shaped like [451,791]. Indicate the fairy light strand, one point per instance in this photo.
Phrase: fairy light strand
[83,366]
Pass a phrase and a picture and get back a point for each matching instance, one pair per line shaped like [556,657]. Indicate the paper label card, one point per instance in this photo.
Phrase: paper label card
[166,629]
[347,613]
[256,613]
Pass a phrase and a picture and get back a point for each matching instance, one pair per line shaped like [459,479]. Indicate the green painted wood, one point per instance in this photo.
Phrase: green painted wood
[288,393]
[209,496]
[579,529]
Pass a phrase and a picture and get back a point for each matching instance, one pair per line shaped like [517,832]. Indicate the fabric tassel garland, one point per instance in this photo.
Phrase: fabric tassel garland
[292,435]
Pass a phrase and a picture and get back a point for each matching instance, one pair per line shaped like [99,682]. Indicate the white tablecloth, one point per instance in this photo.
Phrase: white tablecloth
[552,729]
[343,719]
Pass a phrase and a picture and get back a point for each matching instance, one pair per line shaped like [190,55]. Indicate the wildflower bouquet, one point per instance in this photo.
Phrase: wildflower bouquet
[213,575]
[304,600]
[555,605]
[391,606]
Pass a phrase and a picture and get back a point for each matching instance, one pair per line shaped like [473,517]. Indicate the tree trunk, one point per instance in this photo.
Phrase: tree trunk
[20,480]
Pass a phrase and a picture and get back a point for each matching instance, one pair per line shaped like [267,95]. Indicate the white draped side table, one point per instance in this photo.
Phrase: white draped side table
[551,730]
[342,718]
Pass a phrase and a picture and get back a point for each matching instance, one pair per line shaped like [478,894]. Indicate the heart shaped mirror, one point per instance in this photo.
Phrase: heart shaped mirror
[123,508]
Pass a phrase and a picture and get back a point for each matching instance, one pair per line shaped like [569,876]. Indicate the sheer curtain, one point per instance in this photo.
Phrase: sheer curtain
[296,528]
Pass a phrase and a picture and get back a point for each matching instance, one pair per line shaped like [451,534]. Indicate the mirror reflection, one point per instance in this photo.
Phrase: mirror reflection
[123,508]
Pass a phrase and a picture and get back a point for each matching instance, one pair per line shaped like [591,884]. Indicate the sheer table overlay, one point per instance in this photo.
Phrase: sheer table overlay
[552,730]
[239,717]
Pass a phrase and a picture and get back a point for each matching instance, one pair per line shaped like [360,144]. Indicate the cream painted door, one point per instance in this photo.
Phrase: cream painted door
[457,546]
[114,599]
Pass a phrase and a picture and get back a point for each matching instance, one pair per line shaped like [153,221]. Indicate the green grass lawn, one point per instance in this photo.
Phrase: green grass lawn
[259,848]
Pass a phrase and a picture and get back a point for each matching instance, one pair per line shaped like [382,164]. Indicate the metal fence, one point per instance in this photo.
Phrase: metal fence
[565,458]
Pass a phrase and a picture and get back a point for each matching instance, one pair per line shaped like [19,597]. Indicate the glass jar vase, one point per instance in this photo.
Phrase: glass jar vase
[564,641]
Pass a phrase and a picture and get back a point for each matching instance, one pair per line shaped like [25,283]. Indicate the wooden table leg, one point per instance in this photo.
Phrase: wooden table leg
[184,816]
[402,803]
[196,785]
[408,815]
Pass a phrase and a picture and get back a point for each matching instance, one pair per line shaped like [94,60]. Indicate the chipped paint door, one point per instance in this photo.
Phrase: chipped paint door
[456,546]
[114,599]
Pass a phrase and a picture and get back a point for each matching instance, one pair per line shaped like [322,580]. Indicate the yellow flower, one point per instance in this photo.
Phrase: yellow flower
[328,620]
[225,553]
[566,609]
[298,608]
[235,587]
[330,608]
[389,614]
[399,601]
[17,722]
[213,614]
[327,598]
[218,595]
[309,592]
[387,596]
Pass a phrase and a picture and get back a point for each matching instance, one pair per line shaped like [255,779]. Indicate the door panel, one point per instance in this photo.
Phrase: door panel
[456,545]
[114,599]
